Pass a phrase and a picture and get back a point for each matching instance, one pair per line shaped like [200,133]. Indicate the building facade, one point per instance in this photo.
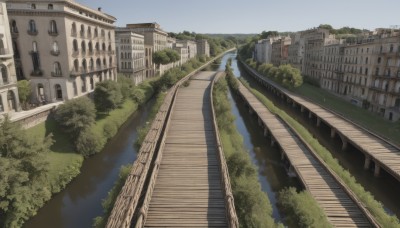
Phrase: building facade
[203,48]
[9,100]
[131,56]
[263,50]
[280,51]
[155,39]
[296,51]
[63,48]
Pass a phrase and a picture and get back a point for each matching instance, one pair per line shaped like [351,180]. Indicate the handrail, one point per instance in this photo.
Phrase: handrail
[129,196]
[350,193]
[229,200]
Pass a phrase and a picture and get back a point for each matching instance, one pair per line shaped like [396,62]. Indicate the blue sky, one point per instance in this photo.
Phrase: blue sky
[251,16]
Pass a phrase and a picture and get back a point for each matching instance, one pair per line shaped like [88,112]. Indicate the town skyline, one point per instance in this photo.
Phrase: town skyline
[253,17]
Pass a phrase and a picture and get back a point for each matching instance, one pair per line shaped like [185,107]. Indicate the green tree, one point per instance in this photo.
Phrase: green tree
[107,96]
[89,142]
[265,35]
[126,85]
[76,115]
[165,56]
[23,170]
[24,92]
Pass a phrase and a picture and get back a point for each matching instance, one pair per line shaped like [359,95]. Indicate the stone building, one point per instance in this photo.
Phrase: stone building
[296,51]
[183,52]
[131,55]
[62,47]
[203,48]
[280,51]
[263,50]
[191,46]
[9,100]
[155,39]
[314,41]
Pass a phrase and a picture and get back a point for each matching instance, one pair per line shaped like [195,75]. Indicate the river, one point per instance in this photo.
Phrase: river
[80,201]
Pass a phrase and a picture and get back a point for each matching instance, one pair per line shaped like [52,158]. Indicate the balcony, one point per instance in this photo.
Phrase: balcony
[75,53]
[56,74]
[37,72]
[55,52]
[53,33]
[8,82]
[111,52]
[33,32]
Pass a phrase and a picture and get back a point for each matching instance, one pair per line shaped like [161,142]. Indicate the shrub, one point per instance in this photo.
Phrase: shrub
[89,142]
[110,129]
[138,96]
[76,115]
[107,96]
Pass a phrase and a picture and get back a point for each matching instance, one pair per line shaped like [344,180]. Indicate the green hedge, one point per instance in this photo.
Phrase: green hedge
[375,207]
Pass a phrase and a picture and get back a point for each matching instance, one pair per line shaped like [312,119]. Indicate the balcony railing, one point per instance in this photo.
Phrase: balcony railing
[37,72]
[55,52]
[56,74]
[53,33]
[33,32]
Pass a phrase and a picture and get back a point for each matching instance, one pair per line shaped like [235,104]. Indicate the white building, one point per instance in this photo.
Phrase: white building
[9,100]
[131,56]
[263,50]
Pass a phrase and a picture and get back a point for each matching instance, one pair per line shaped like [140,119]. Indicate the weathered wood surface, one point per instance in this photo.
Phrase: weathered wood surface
[340,208]
[380,150]
[188,191]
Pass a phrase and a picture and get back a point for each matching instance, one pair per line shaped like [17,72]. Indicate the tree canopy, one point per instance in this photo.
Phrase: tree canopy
[107,96]
[166,56]
[265,35]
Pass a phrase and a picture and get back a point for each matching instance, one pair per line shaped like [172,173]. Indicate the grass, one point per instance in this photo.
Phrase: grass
[363,117]
[375,207]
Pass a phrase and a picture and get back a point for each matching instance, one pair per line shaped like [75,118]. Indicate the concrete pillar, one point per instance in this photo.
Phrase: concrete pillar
[333,132]
[282,155]
[377,170]
[294,104]
[318,121]
[344,144]
[272,141]
[302,109]
[367,162]
[310,115]
[250,110]
[265,131]
[259,121]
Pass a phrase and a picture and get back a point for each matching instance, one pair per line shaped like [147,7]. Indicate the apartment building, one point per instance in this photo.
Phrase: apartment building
[131,56]
[296,51]
[191,46]
[183,52]
[332,75]
[9,100]
[63,48]
[155,39]
[263,50]
[203,48]
[280,51]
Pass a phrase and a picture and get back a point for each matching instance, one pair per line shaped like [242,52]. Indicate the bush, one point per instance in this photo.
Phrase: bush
[301,209]
[186,83]
[89,142]
[76,115]
[107,96]
[138,96]
[110,129]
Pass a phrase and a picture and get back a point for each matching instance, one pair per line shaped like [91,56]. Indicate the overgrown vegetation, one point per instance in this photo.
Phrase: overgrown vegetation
[301,209]
[166,56]
[108,202]
[375,207]
[309,214]
[252,205]
[285,75]
[23,174]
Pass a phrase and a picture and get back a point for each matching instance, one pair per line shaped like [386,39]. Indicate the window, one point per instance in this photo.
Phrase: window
[73,30]
[97,46]
[75,88]
[83,78]
[53,27]
[102,33]
[103,46]
[32,28]
[54,49]
[90,46]
[110,61]
[96,32]
[104,62]
[4,74]
[13,26]
[33,6]
[34,46]
[366,60]
[109,35]
[58,90]
[391,48]
[91,83]
[82,32]
[75,45]
[377,71]
[76,65]
[50,6]
[83,47]
[57,69]
[379,60]
[89,32]
[91,64]
[98,63]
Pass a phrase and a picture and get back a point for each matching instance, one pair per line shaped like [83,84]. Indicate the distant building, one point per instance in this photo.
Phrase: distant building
[155,39]
[280,51]
[183,52]
[296,51]
[131,56]
[9,100]
[203,48]
[62,47]
[263,50]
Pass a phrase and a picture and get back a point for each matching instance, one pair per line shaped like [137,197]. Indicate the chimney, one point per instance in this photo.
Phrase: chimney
[99,9]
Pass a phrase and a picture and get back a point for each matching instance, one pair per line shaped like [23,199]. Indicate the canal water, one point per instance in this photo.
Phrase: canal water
[271,171]
[80,202]
[384,188]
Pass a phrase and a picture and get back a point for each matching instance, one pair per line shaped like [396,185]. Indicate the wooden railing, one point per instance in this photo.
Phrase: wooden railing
[229,200]
[127,201]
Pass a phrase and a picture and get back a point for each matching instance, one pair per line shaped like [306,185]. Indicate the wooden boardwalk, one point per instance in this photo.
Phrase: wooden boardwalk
[188,191]
[377,149]
[337,202]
